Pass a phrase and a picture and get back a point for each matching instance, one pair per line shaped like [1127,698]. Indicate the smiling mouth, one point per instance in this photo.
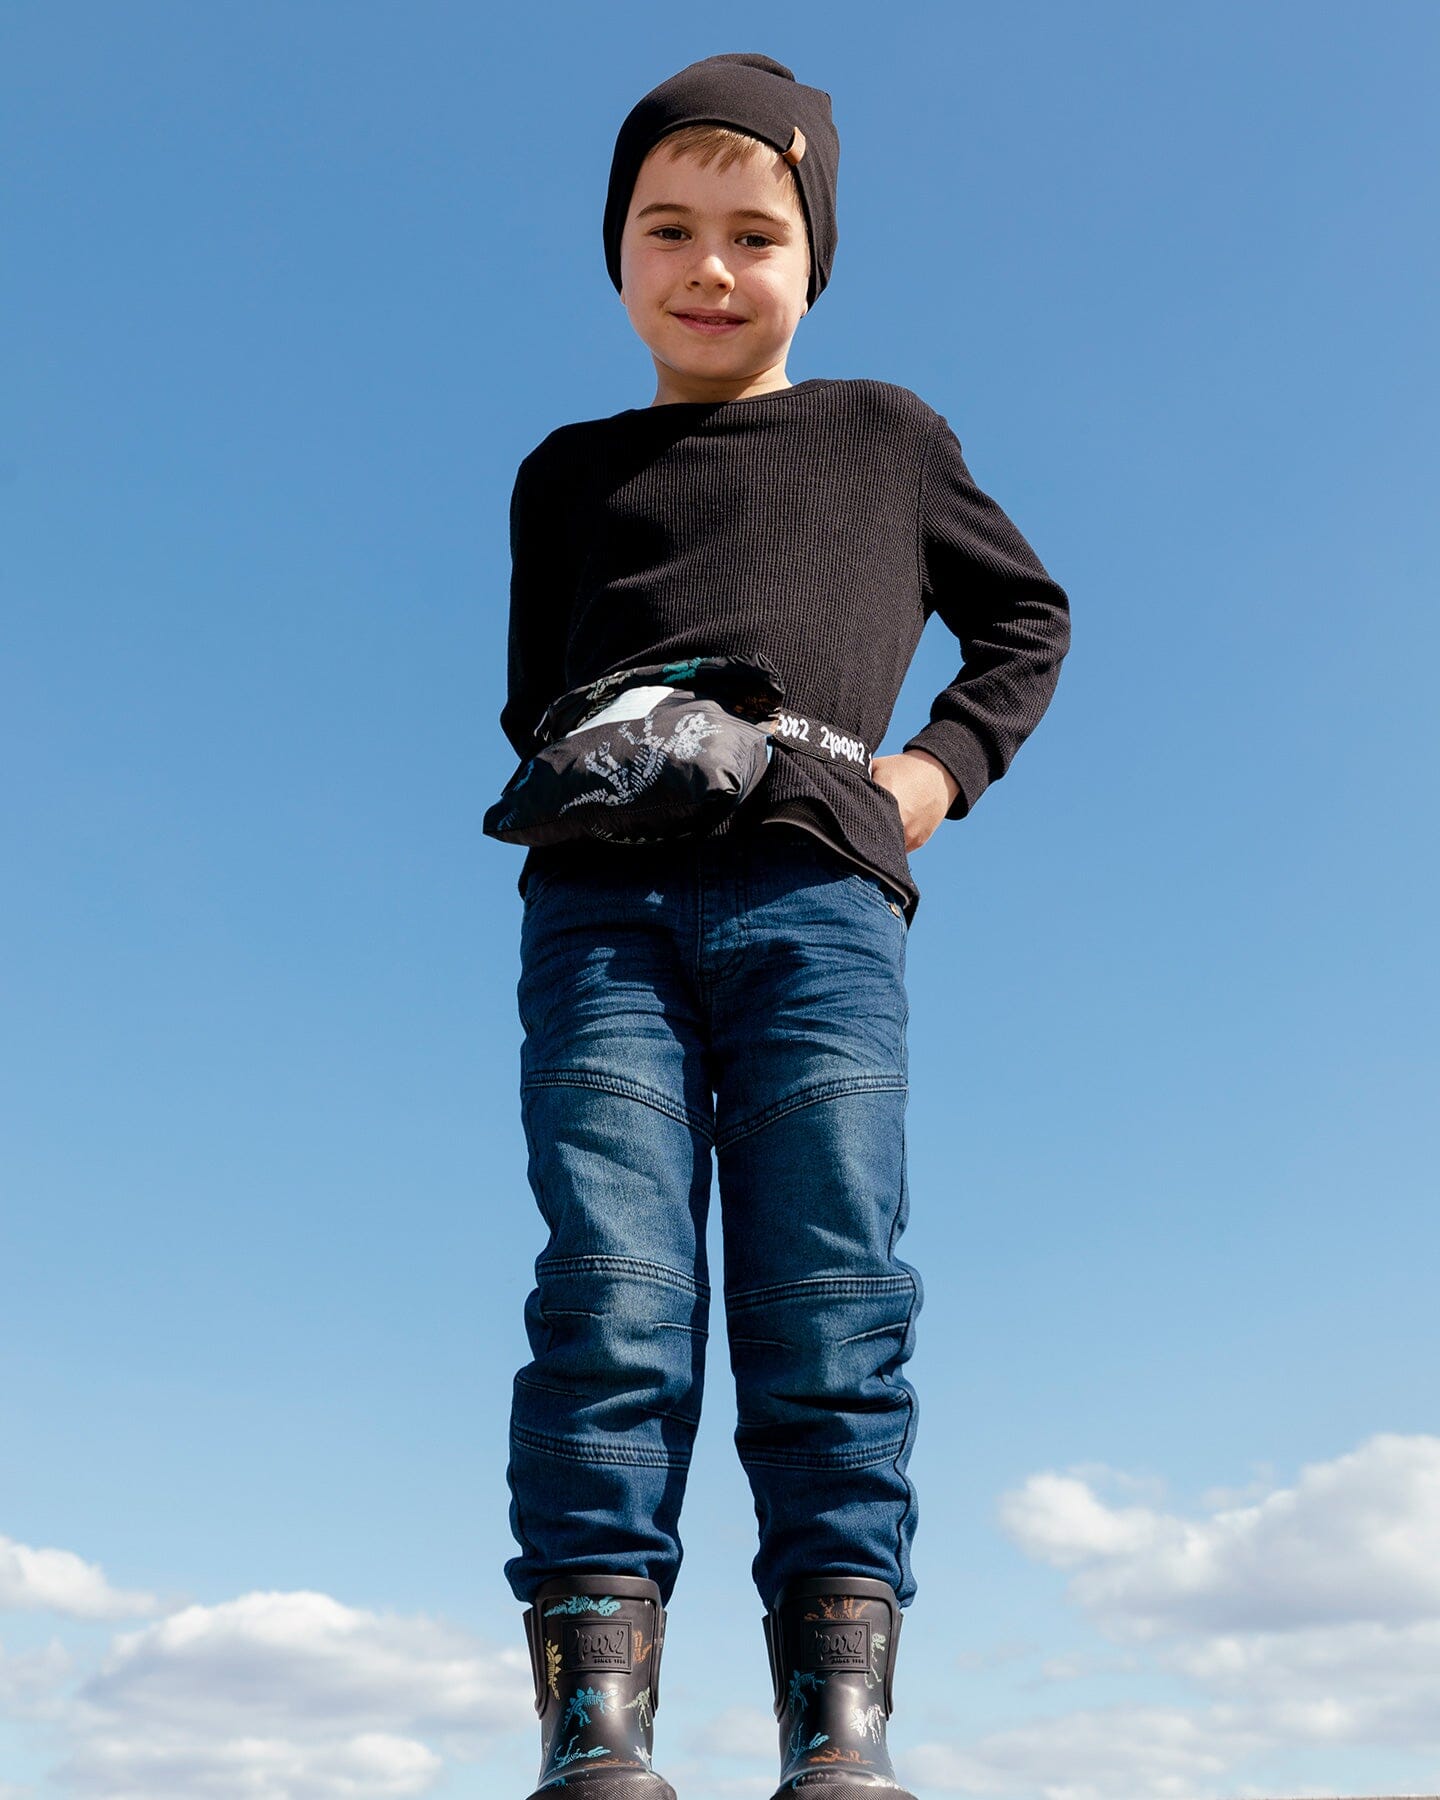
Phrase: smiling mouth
[700,318]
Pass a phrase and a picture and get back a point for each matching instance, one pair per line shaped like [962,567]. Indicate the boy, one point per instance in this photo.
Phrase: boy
[741,993]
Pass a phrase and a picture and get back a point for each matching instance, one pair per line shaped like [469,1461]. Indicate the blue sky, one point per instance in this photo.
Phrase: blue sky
[288,291]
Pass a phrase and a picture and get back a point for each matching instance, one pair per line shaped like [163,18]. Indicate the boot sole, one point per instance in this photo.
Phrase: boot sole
[599,1786]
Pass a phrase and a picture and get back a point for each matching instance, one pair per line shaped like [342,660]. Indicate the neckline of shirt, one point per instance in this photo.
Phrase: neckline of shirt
[812,381]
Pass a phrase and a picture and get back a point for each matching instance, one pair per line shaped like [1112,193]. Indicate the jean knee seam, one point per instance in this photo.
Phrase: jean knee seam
[752,1457]
[691,1422]
[823,1287]
[834,1088]
[568,1450]
[623,1089]
[601,1261]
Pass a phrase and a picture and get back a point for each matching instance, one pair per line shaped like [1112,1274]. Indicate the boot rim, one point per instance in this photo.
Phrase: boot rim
[590,1581]
[806,1587]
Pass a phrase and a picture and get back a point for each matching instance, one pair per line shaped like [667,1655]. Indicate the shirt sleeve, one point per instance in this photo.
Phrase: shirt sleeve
[1012,621]
[539,612]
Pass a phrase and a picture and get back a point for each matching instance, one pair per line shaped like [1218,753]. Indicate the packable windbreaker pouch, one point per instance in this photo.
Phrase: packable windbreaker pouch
[651,753]
[659,751]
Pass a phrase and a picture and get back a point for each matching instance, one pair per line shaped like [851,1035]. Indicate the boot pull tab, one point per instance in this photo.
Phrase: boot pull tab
[896,1620]
[535,1638]
[771,1623]
[656,1646]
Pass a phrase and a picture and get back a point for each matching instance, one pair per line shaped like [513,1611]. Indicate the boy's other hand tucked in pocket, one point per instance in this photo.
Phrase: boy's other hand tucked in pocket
[923,788]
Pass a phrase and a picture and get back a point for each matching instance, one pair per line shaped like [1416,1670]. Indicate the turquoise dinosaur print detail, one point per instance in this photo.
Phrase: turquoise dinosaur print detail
[800,1679]
[579,1603]
[580,1703]
[674,673]
[569,1755]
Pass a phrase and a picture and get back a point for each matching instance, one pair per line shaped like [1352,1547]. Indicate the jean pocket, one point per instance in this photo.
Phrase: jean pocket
[875,892]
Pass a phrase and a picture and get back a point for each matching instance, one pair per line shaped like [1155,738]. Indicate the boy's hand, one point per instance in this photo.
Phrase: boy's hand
[923,787]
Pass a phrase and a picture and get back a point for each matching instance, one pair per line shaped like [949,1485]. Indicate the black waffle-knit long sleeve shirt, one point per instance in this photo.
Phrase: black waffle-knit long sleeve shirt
[821,524]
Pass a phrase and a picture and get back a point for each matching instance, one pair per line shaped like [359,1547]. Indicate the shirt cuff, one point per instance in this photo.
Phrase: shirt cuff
[961,755]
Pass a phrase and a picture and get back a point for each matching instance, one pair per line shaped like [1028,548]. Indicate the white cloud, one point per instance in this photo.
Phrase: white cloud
[59,1581]
[1265,1478]
[31,1684]
[1059,1519]
[1355,1540]
[306,1658]
[286,1696]
[369,1764]
[970,1662]
[1082,1665]
[739,1731]
[1355,1684]
[1306,1616]
[1100,1474]
[1111,1753]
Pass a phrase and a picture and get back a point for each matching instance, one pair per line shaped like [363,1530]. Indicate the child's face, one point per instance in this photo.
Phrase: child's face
[690,244]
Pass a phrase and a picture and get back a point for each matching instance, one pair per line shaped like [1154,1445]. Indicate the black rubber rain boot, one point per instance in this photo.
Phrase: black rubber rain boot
[595,1644]
[832,1642]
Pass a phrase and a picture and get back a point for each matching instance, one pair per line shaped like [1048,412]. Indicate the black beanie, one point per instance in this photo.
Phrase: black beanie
[751,93]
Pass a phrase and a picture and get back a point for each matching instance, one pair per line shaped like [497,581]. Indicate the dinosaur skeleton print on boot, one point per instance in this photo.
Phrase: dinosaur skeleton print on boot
[595,1643]
[832,1657]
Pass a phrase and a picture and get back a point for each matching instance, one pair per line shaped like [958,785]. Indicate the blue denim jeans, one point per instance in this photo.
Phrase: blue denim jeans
[746,997]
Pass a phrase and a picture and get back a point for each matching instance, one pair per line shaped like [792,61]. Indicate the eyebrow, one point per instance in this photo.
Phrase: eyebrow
[740,212]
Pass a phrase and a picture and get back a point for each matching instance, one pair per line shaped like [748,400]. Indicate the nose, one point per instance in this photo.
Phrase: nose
[710,271]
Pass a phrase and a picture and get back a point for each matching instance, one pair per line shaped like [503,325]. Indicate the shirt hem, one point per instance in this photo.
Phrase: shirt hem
[849,856]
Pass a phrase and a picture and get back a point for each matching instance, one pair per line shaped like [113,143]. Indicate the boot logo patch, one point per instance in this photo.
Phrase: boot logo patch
[841,1646]
[591,1644]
